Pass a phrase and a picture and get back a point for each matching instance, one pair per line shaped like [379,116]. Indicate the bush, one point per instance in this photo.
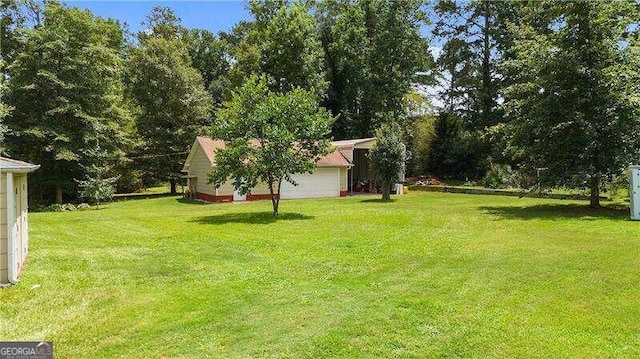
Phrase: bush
[66,207]
[501,176]
[618,188]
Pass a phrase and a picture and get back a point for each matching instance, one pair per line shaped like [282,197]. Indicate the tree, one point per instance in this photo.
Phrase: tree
[269,136]
[573,107]
[388,156]
[66,91]
[477,41]
[4,111]
[470,77]
[209,56]
[281,43]
[173,106]
[97,186]
[374,52]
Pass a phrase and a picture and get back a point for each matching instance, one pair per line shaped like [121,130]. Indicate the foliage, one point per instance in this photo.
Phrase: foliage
[373,50]
[476,42]
[4,111]
[97,185]
[269,137]
[388,157]
[66,91]
[422,140]
[500,176]
[282,44]
[573,107]
[173,106]
[65,207]
[208,56]
[455,153]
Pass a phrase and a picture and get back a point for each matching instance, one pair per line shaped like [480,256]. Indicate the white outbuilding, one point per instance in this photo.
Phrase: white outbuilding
[14,224]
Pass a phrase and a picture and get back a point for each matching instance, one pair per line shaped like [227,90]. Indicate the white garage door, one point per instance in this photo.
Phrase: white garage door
[324,182]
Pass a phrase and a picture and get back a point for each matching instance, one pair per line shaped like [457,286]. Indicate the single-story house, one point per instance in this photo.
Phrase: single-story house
[14,224]
[343,171]
[329,179]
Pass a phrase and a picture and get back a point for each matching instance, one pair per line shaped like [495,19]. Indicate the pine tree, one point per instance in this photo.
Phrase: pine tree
[98,185]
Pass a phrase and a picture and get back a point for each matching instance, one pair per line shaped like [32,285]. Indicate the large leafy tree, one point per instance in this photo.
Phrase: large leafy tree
[209,56]
[574,106]
[173,106]
[282,43]
[65,88]
[269,136]
[374,52]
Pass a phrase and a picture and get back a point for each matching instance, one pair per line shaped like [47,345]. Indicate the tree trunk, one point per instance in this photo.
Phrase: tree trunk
[58,194]
[595,192]
[172,183]
[486,99]
[275,200]
[386,190]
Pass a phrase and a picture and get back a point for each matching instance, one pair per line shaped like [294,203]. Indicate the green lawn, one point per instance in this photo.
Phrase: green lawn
[428,275]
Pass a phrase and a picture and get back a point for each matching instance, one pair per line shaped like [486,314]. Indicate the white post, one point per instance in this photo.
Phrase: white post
[634,192]
[11,230]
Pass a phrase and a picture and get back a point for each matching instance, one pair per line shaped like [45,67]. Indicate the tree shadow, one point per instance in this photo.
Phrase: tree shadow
[377,200]
[560,211]
[251,218]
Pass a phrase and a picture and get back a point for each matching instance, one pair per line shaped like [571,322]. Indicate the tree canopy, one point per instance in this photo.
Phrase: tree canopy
[65,88]
[388,156]
[374,52]
[269,137]
[573,107]
[172,105]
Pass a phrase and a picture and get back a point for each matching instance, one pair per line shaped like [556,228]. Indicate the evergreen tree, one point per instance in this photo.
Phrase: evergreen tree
[98,185]
[573,107]
[476,43]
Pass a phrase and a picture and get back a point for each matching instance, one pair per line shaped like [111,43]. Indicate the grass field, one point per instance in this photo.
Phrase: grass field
[428,275]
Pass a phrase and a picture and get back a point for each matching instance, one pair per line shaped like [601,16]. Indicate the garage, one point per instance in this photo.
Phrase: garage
[324,182]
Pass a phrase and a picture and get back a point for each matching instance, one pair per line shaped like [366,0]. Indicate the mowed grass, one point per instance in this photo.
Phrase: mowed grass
[427,275]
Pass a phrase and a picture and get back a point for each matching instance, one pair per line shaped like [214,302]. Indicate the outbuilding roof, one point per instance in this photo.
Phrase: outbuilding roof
[209,145]
[11,165]
[355,143]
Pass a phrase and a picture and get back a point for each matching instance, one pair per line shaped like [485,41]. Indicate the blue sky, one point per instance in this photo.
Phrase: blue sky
[211,15]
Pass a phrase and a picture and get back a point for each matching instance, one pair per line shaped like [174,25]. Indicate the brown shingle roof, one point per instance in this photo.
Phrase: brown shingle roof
[333,159]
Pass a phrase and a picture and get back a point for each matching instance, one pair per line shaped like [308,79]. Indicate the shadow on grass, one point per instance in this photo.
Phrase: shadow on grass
[560,211]
[377,200]
[251,218]
[190,201]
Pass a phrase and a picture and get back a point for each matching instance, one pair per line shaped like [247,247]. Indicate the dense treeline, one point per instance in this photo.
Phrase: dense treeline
[522,85]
